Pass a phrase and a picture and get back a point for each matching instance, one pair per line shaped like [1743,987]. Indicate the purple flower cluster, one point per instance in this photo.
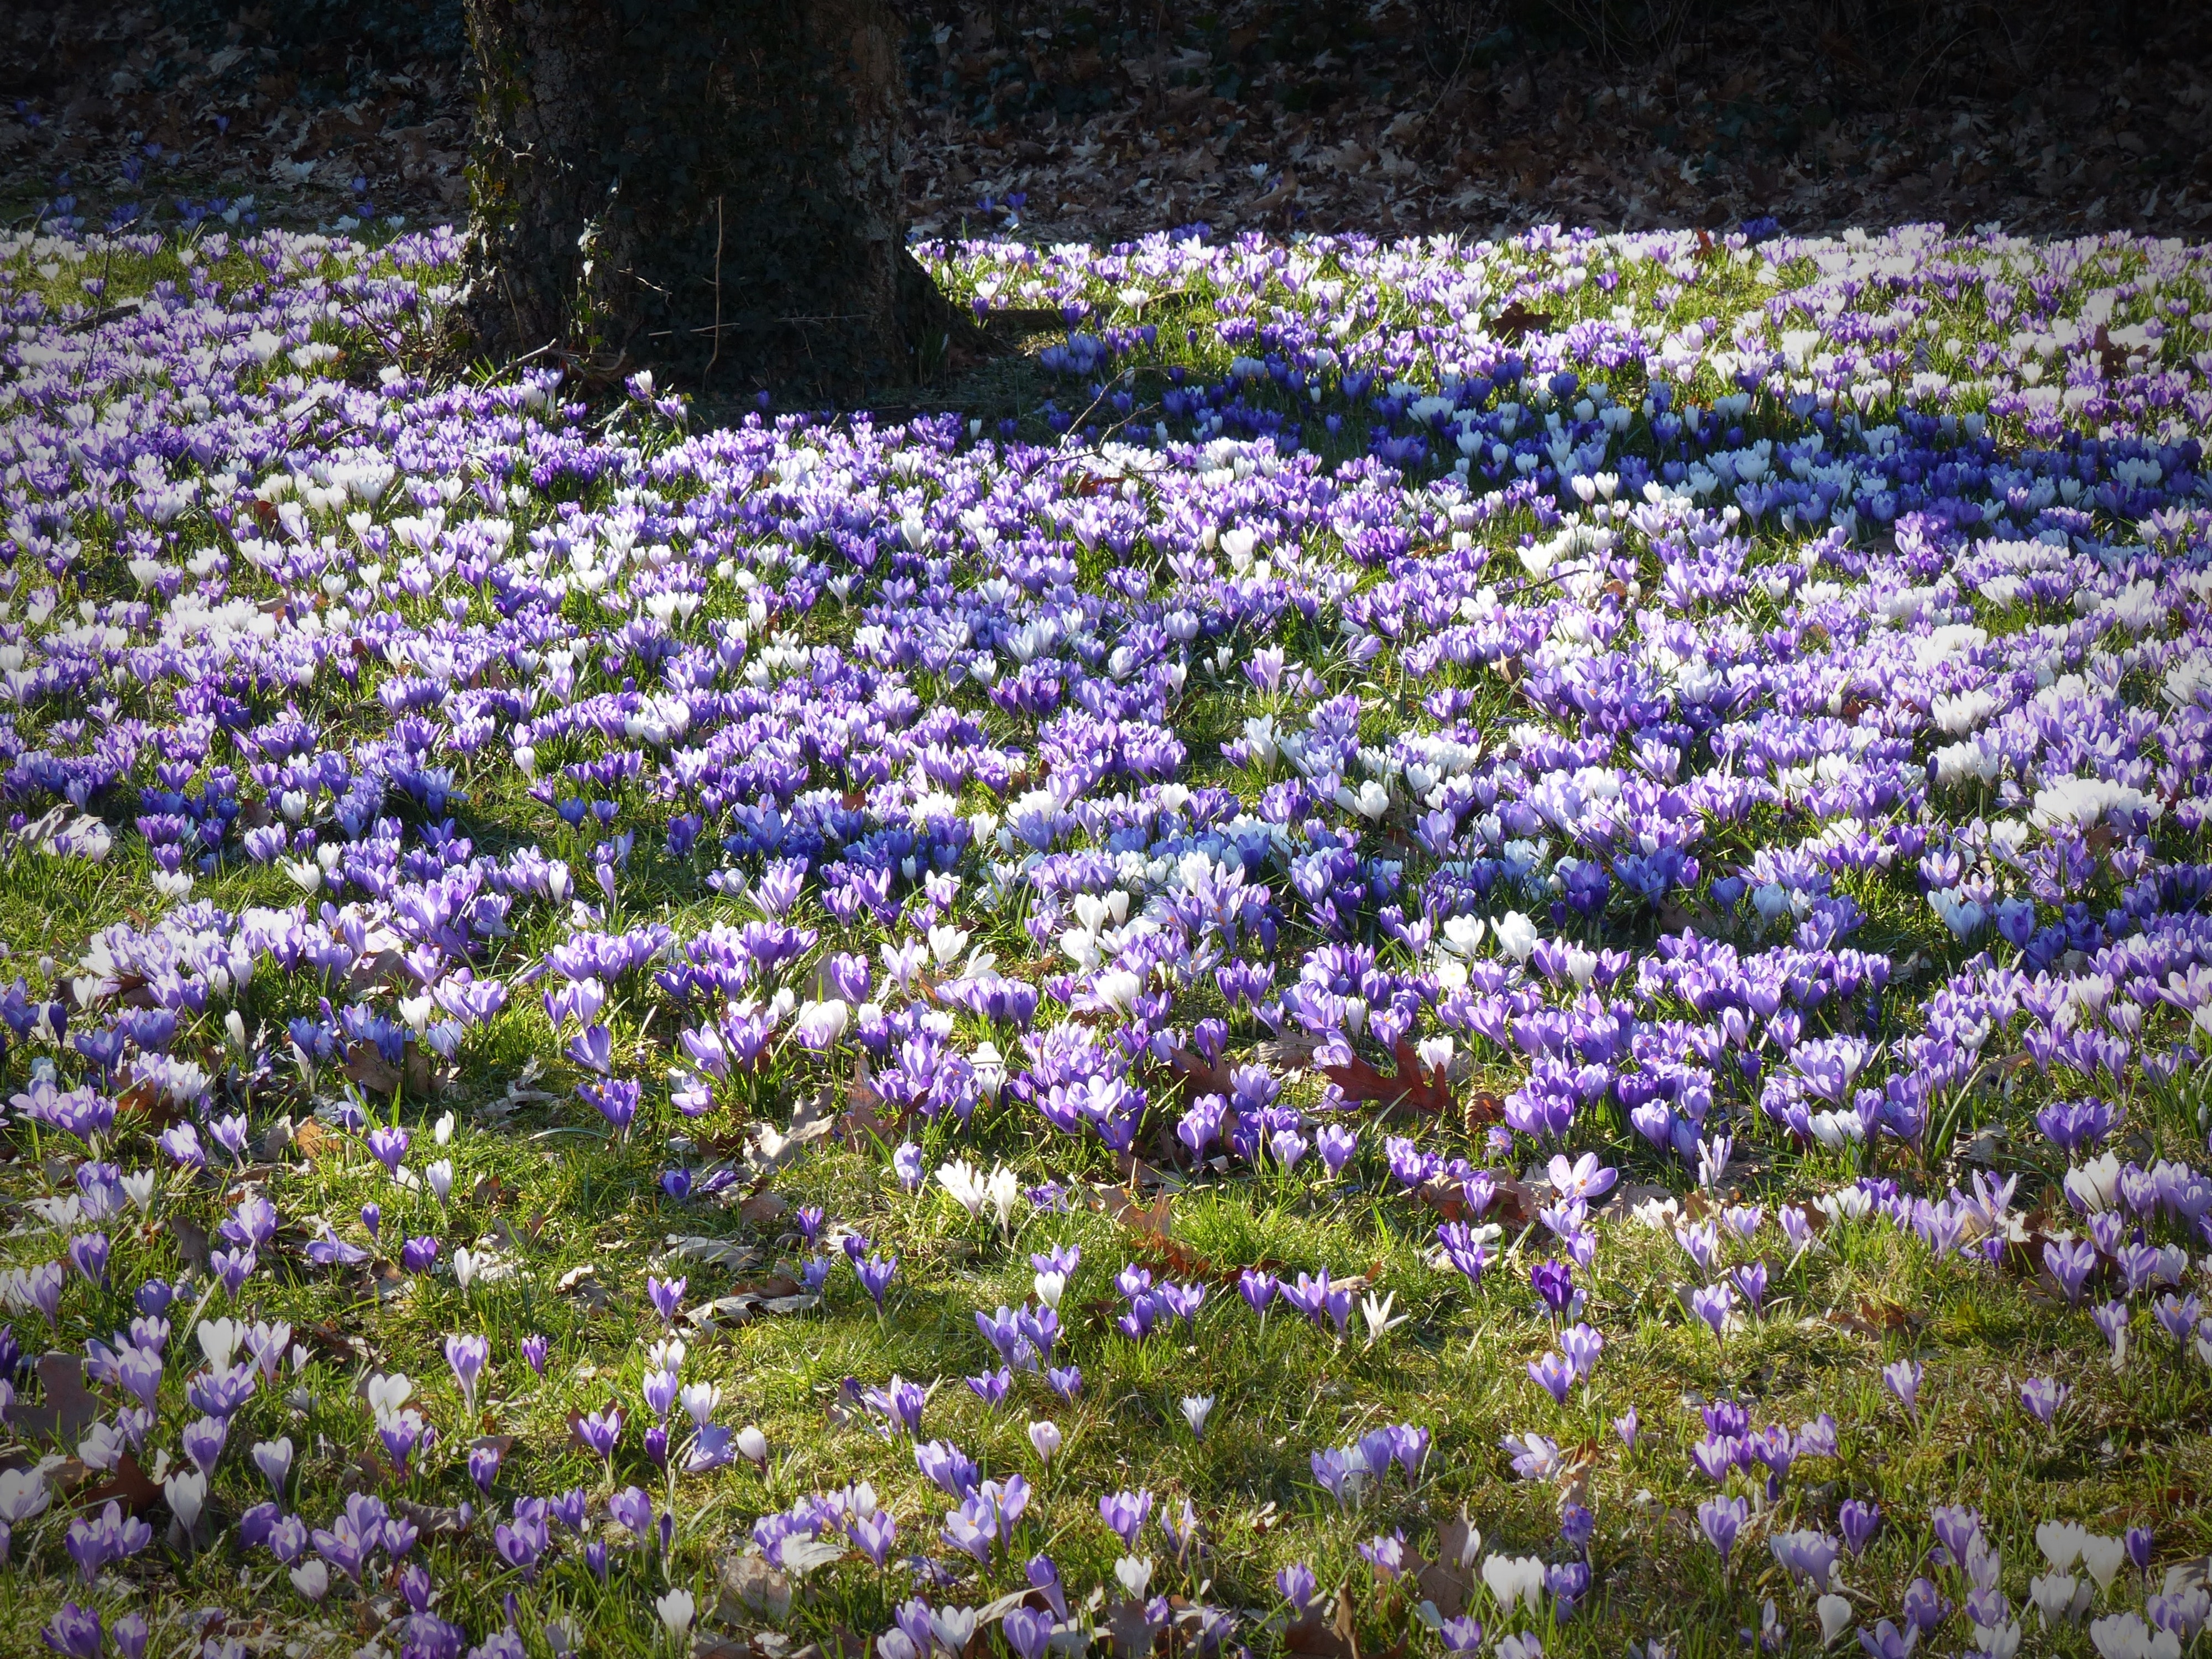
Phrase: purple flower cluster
[1750,708]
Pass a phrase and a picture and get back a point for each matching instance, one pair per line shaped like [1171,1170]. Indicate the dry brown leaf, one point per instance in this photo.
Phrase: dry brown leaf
[761,1208]
[64,1409]
[1423,1090]
[130,1485]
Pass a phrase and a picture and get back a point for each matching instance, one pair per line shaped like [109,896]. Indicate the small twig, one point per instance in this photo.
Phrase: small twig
[716,357]
[534,351]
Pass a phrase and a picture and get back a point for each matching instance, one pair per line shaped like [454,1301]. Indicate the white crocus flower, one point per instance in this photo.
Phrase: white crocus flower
[1836,1617]
[219,1340]
[1004,1191]
[676,1609]
[1376,1314]
[1045,1436]
[1463,934]
[1513,1579]
[186,1492]
[961,1179]
[1516,935]
[23,1494]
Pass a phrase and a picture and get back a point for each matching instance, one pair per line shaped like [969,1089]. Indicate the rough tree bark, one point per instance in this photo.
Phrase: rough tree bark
[706,187]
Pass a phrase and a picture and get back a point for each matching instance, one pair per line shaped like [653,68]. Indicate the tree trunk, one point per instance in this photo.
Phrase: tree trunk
[707,187]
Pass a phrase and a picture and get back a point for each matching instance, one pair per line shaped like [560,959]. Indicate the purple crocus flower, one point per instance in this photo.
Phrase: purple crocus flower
[1582,1344]
[233,1267]
[416,1254]
[1806,1556]
[130,1633]
[1342,1472]
[74,1631]
[1860,1522]
[1957,1526]
[1469,1254]
[521,1542]
[139,1371]
[873,1536]
[616,1100]
[1713,1303]
[1554,1374]
[1461,1635]
[597,1431]
[221,1393]
[484,1466]
[1925,1607]
[1027,1633]
[1722,1518]
[1258,1289]
[632,1509]
[1553,1281]
[274,1459]
[388,1145]
[1125,1513]
[875,1274]
[88,1253]
[900,1402]
[1902,1378]
[667,1296]
[467,1355]
[203,1440]
[2070,1263]
[1336,1146]
[329,1251]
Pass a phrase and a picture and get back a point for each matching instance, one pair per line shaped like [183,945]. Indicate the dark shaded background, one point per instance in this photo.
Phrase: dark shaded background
[1112,118]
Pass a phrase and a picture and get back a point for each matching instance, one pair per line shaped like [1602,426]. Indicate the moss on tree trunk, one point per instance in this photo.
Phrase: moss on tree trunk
[707,187]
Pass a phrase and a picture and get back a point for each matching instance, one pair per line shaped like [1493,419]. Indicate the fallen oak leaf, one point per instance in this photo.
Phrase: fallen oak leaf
[191,1241]
[1517,322]
[342,1346]
[1146,1220]
[732,1254]
[374,1073]
[147,1099]
[64,1410]
[1315,1638]
[761,1208]
[441,1520]
[746,1578]
[130,1485]
[1128,1631]
[1449,1580]
[775,1285]
[1195,1075]
[1425,1090]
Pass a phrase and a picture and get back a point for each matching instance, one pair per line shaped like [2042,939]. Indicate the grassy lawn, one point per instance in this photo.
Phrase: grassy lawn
[1115,505]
